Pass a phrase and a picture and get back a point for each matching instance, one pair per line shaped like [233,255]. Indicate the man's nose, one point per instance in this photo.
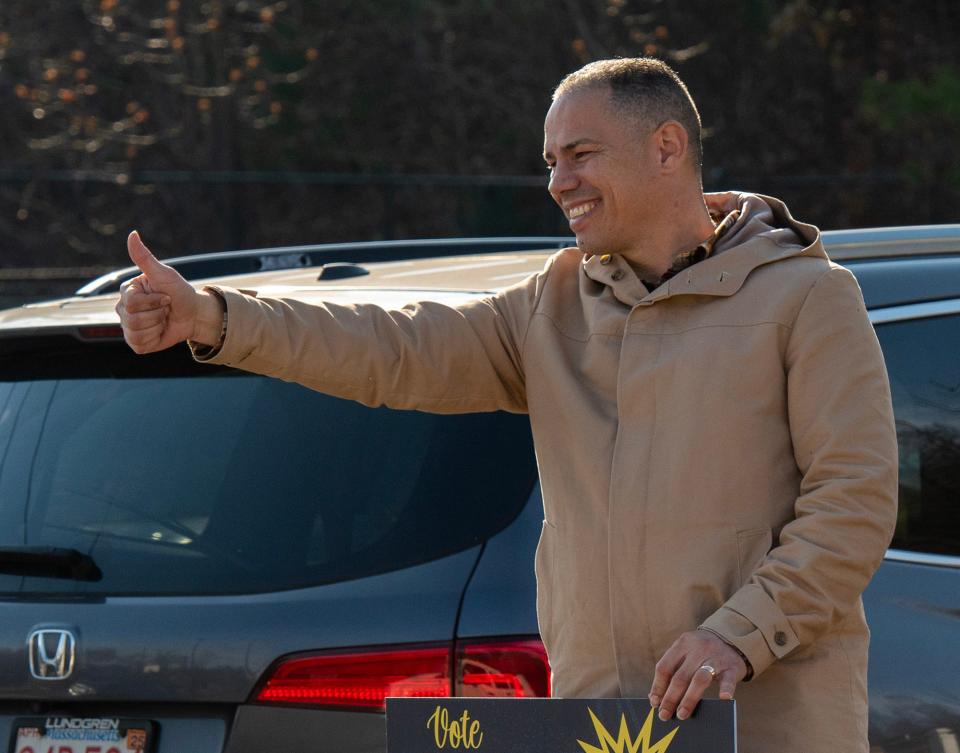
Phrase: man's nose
[562,179]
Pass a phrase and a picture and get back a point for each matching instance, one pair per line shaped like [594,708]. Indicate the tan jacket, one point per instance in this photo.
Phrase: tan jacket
[718,452]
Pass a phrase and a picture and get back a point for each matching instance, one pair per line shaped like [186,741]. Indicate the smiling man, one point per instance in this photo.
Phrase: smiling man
[709,406]
[622,142]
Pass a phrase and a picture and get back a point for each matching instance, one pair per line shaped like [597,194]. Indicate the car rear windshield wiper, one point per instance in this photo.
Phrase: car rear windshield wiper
[48,562]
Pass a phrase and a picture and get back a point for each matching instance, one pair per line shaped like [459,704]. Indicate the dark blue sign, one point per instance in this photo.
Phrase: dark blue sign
[544,725]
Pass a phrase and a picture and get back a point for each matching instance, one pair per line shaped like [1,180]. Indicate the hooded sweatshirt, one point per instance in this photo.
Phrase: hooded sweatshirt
[716,452]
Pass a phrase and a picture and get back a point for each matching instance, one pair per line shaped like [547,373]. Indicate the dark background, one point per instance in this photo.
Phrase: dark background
[214,124]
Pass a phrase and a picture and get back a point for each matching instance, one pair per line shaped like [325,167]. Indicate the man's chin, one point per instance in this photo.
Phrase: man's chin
[589,246]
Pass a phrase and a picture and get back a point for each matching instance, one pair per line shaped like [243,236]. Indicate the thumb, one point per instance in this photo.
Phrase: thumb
[143,258]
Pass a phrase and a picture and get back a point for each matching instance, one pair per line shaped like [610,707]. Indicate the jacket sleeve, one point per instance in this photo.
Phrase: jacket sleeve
[426,356]
[841,424]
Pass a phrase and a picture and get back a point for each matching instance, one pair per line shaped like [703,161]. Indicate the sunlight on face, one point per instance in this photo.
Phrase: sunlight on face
[602,171]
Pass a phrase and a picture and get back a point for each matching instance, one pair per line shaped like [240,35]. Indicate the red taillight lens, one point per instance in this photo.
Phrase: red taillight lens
[360,680]
[509,669]
[108,332]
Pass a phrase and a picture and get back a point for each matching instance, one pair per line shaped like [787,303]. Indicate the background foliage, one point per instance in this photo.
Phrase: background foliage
[214,124]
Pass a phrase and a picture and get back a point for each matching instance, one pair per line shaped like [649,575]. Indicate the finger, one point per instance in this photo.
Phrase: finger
[137,302]
[142,256]
[677,689]
[145,320]
[699,683]
[663,673]
[146,340]
[728,683]
[135,285]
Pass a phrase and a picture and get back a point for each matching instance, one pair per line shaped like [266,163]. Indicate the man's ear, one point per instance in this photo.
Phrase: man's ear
[671,141]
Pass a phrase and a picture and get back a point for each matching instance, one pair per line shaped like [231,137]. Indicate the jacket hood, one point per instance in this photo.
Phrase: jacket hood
[764,233]
[761,217]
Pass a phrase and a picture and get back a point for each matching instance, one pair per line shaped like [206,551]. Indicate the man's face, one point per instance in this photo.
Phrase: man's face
[603,170]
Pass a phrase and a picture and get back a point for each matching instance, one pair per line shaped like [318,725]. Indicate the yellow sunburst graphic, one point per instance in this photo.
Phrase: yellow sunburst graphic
[624,743]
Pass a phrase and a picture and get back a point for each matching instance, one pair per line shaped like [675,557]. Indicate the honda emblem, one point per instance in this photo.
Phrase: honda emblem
[52,653]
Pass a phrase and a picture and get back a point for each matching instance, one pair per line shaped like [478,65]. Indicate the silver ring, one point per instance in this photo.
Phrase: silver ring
[711,670]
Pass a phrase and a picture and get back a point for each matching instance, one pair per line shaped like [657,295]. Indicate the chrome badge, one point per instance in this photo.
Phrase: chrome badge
[52,653]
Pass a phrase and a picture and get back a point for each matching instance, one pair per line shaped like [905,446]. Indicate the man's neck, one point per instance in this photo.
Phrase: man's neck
[682,233]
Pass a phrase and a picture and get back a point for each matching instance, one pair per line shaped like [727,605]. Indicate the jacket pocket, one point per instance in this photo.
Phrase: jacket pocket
[546,567]
[753,545]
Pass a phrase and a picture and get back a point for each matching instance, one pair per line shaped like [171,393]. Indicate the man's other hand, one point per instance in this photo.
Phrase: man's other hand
[159,309]
[682,675]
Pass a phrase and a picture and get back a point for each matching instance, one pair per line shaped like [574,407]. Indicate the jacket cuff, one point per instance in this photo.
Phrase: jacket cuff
[753,623]
[234,301]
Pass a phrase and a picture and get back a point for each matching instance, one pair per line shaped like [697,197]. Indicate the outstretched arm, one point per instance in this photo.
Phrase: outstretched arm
[426,356]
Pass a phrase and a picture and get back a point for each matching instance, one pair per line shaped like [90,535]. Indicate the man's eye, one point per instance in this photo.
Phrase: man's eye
[581,155]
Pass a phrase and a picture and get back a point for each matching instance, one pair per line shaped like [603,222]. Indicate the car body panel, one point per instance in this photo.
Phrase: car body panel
[895,282]
[879,242]
[914,616]
[501,597]
[254,730]
[139,642]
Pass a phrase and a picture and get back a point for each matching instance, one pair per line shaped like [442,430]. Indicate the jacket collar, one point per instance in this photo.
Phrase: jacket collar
[764,233]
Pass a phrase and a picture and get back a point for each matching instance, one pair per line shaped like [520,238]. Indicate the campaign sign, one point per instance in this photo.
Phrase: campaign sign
[545,725]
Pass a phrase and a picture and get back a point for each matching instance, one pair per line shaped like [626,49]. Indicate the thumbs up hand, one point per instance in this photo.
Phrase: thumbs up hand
[159,308]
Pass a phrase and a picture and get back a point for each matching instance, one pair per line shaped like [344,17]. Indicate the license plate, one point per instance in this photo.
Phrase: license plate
[72,734]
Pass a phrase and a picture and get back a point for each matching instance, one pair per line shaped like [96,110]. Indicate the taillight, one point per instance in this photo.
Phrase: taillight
[510,669]
[107,332]
[363,680]
[360,680]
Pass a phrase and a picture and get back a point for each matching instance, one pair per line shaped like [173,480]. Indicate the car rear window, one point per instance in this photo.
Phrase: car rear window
[180,478]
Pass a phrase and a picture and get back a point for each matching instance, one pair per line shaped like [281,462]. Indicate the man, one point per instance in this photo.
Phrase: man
[709,405]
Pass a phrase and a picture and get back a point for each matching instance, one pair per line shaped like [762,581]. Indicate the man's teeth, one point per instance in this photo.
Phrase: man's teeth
[582,209]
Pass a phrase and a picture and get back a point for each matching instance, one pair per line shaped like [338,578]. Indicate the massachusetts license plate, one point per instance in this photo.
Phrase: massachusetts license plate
[72,734]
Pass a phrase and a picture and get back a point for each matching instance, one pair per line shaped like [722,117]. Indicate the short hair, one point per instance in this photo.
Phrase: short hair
[645,87]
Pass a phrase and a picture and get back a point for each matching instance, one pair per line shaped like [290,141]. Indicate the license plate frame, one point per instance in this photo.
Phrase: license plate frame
[82,734]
